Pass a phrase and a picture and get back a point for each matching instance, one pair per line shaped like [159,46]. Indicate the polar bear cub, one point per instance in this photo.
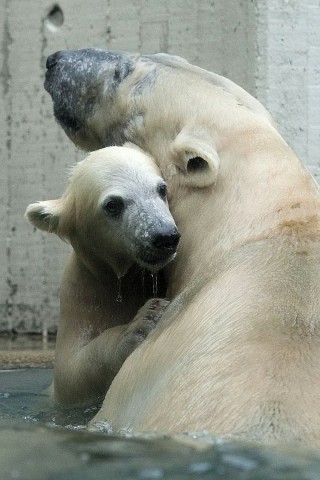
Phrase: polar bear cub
[115,208]
[115,215]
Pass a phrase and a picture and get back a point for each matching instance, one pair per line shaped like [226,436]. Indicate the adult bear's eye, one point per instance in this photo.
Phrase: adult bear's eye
[113,206]
[162,190]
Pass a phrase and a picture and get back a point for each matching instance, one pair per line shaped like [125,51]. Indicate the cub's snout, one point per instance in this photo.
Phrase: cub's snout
[161,249]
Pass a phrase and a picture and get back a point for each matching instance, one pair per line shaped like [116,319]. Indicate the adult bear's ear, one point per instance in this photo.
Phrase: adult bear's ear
[196,158]
[45,215]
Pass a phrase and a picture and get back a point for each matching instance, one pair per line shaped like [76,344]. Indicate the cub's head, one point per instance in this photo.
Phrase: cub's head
[113,212]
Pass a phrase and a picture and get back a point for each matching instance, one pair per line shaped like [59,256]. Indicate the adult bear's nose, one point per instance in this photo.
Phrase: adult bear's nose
[166,241]
[53,59]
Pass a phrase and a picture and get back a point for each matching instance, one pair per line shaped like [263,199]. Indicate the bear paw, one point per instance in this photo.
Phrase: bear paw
[140,327]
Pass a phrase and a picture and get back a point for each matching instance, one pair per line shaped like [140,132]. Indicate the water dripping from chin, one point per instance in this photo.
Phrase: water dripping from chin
[154,277]
[119,298]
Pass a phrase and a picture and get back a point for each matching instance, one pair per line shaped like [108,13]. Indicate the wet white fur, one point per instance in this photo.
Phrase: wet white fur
[238,351]
[96,332]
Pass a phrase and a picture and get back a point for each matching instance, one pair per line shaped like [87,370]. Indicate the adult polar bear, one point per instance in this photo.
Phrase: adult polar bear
[238,349]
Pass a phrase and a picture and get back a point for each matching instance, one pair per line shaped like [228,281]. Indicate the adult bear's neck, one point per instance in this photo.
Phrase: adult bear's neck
[261,187]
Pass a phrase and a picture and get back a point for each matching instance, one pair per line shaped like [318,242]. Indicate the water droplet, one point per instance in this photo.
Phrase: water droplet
[85,457]
[201,467]
[101,426]
[151,474]
[239,461]
[4,395]
[154,277]
[15,474]
[143,272]
[119,294]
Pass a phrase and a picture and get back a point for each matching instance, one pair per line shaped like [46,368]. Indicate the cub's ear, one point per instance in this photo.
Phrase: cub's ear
[195,158]
[45,215]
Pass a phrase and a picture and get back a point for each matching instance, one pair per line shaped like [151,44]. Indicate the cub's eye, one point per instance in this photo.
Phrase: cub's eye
[113,206]
[162,190]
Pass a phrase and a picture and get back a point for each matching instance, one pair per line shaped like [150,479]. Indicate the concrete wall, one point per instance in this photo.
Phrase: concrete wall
[288,72]
[271,47]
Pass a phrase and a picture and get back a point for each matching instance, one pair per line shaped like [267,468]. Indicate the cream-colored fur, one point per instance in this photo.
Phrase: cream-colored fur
[97,331]
[237,352]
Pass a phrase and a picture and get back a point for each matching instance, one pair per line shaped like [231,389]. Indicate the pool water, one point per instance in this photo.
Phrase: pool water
[23,396]
[21,390]
[41,442]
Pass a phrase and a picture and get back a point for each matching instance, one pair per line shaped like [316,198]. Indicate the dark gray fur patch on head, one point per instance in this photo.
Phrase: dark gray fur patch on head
[122,71]
[116,135]
[134,131]
[146,82]
[74,80]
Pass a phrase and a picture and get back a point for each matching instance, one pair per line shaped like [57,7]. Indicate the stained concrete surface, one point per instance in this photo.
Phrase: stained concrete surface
[25,351]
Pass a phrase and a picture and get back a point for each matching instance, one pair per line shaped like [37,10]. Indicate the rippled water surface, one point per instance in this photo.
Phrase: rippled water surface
[40,442]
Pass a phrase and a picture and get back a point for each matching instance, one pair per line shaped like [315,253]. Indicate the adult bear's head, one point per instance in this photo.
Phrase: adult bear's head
[159,102]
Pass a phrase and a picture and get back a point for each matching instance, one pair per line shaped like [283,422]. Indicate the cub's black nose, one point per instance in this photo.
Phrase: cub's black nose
[166,241]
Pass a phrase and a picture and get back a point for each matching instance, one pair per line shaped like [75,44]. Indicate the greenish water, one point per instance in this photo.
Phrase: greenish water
[23,397]
[37,442]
